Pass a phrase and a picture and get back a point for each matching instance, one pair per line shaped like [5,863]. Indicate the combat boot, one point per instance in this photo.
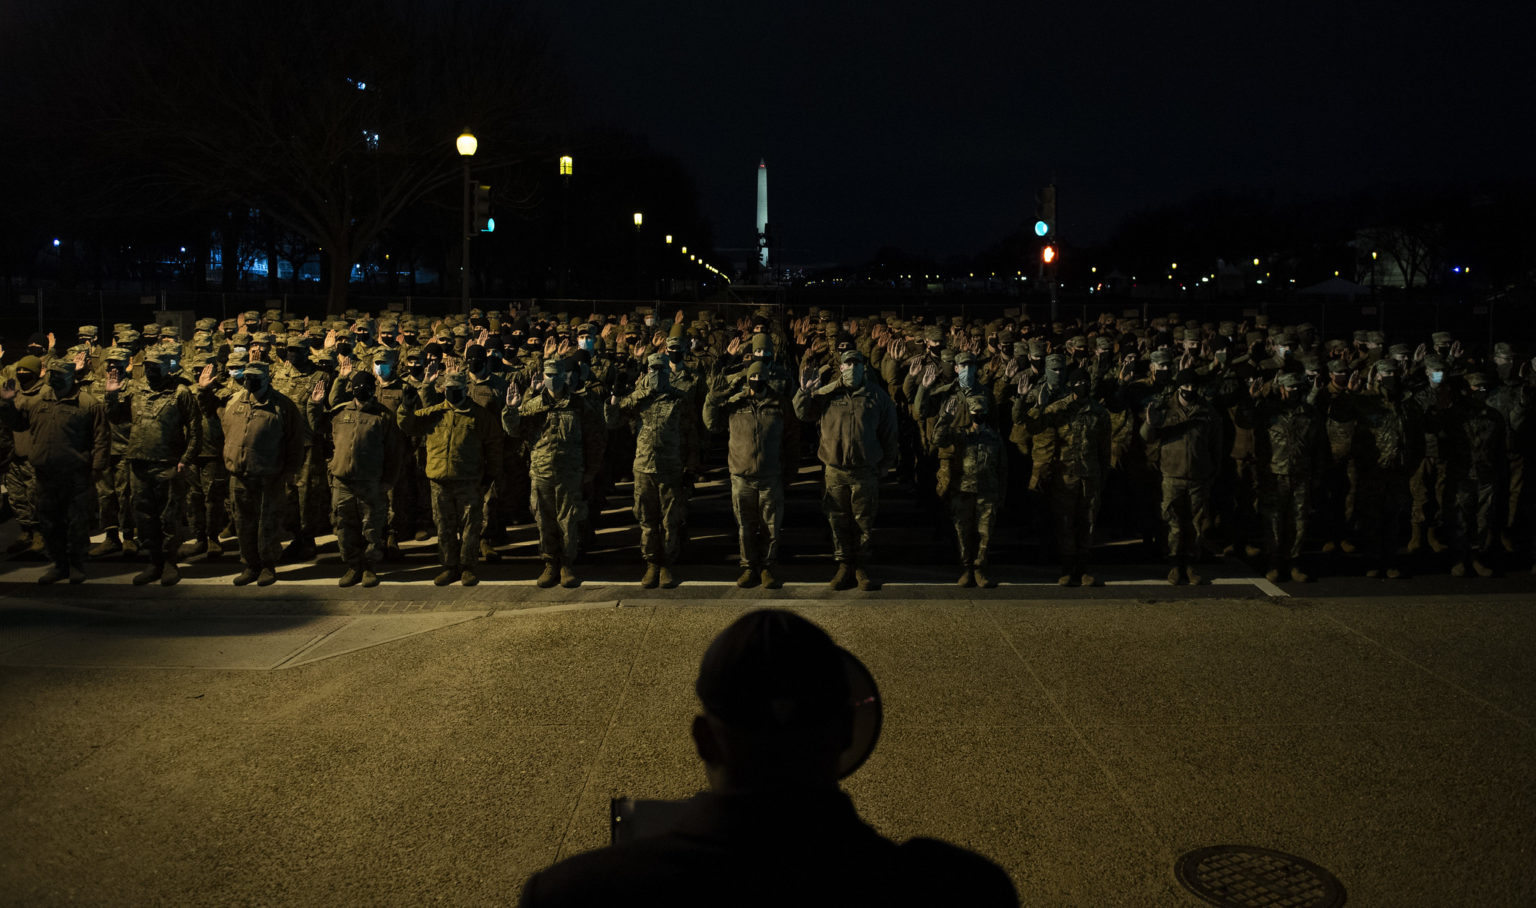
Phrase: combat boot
[192,549]
[422,536]
[215,549]
[1192,576]
[1066,576]
[111,545]
[982,581]
[967,578]
[1459,569]
[568,578]
[1274,575]
[667,580]
[1482,569]
[54,574]
[76,572]
[1415,539]
[1300,576]
[862,577]
[1085,578]
[1176,575]
[840,580]
[652,577]
[1506,541]
[550,577]
[172,573]
[370,579]
[246,576]
[130,545]
[770,582]
[447,575]
[468,578]
[349,577]
[267,576]
[1433,538]
[488,552]
[21,544]
[301,549]
[150,574]
[747,579]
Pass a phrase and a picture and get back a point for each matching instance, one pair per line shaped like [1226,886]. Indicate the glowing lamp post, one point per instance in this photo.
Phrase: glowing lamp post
[466,145]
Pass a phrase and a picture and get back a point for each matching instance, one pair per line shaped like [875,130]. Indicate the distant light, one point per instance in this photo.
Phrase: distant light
[565,165]
[669,239]
[1457,269]
[466,143]
[1255,263]
[639,218]
[1174,266]
[685,251]
[490,225]
[1042,228]
[1259,281]
[1094,269]
[1373,255]
[1336,274]
[362,86]
[56,244]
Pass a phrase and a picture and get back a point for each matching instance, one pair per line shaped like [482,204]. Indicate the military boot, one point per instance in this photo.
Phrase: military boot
[369,578]
[1176,575]
[652,577]
[967,578]
[172,573]
[1435,543]
[1415,539]
[21,544]
[111,545]
[1506,541]
[54,574]
[862,578]
[151,572]
[551,575]
[349,577]
[1083,577]
[667,580]
[467,577]
[770,582]
[568,577]
[840,580]
[130,545]
[747,579]
[215,549]
[1299,576]
[266,576]
[1066,576]
[1192,576]
[488,552]
[982,580]
[76,572]
[198,546]
[1482,568]
[447,575]
[246,576]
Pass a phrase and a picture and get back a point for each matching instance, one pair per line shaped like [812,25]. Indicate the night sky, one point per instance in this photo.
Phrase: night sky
[929,126]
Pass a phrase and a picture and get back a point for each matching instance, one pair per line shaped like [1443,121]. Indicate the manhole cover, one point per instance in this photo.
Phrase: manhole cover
[1239,876]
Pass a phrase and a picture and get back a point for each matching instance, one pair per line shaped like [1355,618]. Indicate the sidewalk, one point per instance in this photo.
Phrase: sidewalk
[325,756]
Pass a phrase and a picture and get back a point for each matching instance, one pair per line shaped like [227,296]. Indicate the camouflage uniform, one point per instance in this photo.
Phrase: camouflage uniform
[367,452]
[20,477]
[977,476]
[1187,434]
[463,448]
[661,412]
[263,449]
[308,499]
[1387,434]
[1071,455]
[754,417]
[1289,449]
[1476,440]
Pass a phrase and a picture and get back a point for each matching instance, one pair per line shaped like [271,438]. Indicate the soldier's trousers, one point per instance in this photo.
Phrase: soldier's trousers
[21,489]
[359,513]
[207,496]
[157,501]
[1283,500]
[1516,486]
[661,508]
[1186,511]
[1474,500]
[309,504]
[759,507]
[458,509]
[556,505]
[974,517]
[259,503]
[1426,488]
[114,495]
[1380,505]
[850,499]
[66,507]
[1074,508]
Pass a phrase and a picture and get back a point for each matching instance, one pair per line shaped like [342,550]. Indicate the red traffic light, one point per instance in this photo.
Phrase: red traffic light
[1048,254]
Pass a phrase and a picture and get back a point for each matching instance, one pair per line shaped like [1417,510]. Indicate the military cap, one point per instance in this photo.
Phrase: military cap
[1103,344]
[1226,328]
[675,342]
[1386,366]
[756,368]
[273,315]
[976,404]
[1337,367]
[78,349]
[1287,339]
[1440,338]
[241,339]
[1288,380]
[1055,361]
[264,337]
[62,365]
[1502,348]
[116,354]
[127,338]
[1375,337]
[1190,334]
[206,324]
[251,316]
[1254,337]
[554,366]
[933,334]
[947,356]
[852,356]
[459,331]
[964,359]
[1434,363]
[150,330]
[1311,362]
[159,355]
[1036,347]
[29,363]
[586,328]
[388,356]
[1358,337]
[1335,344]
[1261,321]
[657,361]
[476,313]
[389,327]
[1399,350]
[1476,380]
[257,368]
[88,331]
[824,315]
[1077,342]
[455,380]
[1161,358]
[323,358]
[171,331]
[120,327]
[975,331]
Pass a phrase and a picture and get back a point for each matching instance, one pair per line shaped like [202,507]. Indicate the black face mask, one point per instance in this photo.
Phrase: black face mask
[154,375]
[362,393]
[755,385]
[675,355]
[416,370]
[255,384]
[476,361]
[456,396]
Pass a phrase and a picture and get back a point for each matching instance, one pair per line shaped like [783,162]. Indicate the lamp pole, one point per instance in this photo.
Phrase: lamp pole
[639,286]
[566,166]
[466,145]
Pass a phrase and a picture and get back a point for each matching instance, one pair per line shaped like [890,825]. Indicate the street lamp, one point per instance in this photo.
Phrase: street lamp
[567,165]
[466,145]
[639,219]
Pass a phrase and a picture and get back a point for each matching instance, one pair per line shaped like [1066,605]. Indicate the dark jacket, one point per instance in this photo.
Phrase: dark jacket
[858,426]
[262,438]
[800,849]
[367,442]
[164,426]
[68,434]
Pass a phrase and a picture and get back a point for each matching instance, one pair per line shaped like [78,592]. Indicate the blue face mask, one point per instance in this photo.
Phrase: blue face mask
[589,344]
[383,370]
[966,376]
[1436,378]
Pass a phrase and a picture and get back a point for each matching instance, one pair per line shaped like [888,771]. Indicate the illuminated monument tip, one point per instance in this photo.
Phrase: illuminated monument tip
[762,212]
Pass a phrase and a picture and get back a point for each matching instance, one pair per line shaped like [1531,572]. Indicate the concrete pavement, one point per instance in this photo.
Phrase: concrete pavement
[319,746]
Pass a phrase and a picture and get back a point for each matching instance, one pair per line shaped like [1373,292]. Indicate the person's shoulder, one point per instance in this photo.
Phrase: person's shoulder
[954,875]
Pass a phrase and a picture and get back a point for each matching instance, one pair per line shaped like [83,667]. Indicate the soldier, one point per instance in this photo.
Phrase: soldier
[1071,456]
[754,417]
[1427,485]
[553,421]
[1386,438]
[165,429]
[1186,431]
[463,448]
[263,449]
[368,450]
[857,420]
[207,478]
[977,470]
[1476,440]
[20,478]
[114,490]
[661,412]
[69,439]
[294,377]
[408,492]
[1288,451]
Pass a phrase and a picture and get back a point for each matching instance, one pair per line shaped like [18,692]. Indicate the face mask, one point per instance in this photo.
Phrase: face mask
[649,322]
[755,387]
[362,393]
[360,338]
[415,371]
[384,371]
[476,363]
[589,344]
[456,396]
[154,375]
[237,373]
[853,374]
[1283,352]
[557,385]
[61,382]
[1187,394]
[256,384]
[1436,378]
[675,355]
[1390,386]
[966,376]
[1053,377]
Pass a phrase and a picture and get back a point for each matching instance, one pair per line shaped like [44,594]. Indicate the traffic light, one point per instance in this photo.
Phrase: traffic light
[483,221]
[1045,211]
[1048,254]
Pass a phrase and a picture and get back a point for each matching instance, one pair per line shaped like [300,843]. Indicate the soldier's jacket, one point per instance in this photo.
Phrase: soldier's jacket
[938,407]
[390,393]
[490,392]
[66,434]
[661,417]
[1131,437]
[1432,402]
[366,440]
[1289,439]
[858,426]
[556,429]
[1339,422]
[462,442]
[978,465]
[297,386]
[1388,434]
[164,425]
[1475,438]
[756,427]
[1187,435]
[21,439]
[1071,439]
[211,401]
[261,438]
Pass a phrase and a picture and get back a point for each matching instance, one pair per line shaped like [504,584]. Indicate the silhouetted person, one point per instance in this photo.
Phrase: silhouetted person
[778,730]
